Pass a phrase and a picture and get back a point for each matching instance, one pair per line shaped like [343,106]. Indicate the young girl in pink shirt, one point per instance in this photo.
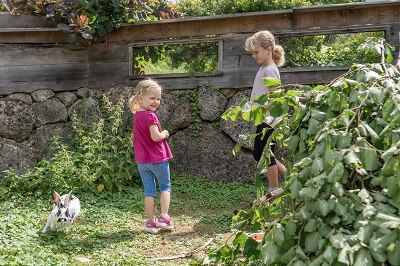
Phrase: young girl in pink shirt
[152,153]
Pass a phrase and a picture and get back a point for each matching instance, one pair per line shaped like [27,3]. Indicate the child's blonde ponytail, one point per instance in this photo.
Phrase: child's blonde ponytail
[133,104]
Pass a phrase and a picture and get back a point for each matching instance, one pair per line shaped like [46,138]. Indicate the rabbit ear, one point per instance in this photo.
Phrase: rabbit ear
[56,197]
[68,199]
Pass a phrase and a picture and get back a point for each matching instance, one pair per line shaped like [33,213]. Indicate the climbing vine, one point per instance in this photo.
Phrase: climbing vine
[193,97]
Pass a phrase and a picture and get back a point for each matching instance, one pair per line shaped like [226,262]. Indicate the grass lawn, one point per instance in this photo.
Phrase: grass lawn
[109,230]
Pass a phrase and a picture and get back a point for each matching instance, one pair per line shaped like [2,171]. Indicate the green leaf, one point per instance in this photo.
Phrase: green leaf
[317,262]
[293,93]
[337,241]
[262,99]
[372,75]
[292,143]
[278,235]
[308,193]
[271,82]
[393,253]
[288,256]
[237,149]
[337,189]
[369,159]
[330,254]
[363,258]
[352,158]
[290,228]
[317,166]
[328,158]
[310,226]
[313,126]
[318,115]
[276,109]
[311,241]
[250,248]
[300,253]
[377,94]
[371,132]
[391,183]
[232,113]
[295,189]
[344,140]
[387,109]
[340,209]
[336,173]
[240,239]
[246,111]
[345,255]
[321,207]
[258,115]
[269,252]
[390,167]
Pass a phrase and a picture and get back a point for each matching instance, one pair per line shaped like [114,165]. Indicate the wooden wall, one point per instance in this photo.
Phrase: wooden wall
[40,57]
[28,67]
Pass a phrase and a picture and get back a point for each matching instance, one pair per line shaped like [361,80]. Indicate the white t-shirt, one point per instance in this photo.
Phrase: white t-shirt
[258,86]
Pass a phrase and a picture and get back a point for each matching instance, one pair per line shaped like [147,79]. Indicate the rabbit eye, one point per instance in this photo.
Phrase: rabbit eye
[58,212]
[66,213]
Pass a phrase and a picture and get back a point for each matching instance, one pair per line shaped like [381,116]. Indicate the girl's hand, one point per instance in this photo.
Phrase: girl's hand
[166,133]
[157,135]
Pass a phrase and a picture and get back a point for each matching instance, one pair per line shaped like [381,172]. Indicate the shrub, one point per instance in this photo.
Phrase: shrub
[342,199]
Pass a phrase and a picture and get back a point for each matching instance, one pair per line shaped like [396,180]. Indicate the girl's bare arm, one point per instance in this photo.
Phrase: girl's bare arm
[156,135]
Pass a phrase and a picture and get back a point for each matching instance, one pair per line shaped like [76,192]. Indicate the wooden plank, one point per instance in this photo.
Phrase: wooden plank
[102,75]
[31,78]
[22,54]
[234,44]
[307,18]
[245,78]
[48,36]
[23,21]
[108,52]
[311,75]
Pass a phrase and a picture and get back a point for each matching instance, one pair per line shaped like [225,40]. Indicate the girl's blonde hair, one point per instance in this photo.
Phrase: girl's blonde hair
[141,89]
[265,39]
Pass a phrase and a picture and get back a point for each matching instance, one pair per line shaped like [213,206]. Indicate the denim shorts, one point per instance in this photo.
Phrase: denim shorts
[150,172]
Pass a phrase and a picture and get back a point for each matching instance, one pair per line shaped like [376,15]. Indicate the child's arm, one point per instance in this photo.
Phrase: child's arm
[156,135]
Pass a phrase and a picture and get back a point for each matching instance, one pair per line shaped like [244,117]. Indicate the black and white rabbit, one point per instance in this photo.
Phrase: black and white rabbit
[65,210]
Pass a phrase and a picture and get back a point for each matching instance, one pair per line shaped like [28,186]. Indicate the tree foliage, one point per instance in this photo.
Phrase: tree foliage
[191,8]
[342,199]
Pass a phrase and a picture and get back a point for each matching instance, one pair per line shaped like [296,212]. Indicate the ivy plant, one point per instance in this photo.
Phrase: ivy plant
[341,204]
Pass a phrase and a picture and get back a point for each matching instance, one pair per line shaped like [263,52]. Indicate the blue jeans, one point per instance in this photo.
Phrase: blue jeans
[149,172]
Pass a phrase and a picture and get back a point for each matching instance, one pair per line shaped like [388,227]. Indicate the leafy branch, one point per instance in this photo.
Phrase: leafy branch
[342,195]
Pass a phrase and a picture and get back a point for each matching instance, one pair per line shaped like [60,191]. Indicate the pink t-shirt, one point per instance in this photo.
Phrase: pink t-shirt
[146,149]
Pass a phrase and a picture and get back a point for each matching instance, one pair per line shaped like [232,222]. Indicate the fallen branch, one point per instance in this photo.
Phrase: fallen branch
[184,255]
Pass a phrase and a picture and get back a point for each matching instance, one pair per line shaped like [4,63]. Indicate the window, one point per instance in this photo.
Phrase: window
[186,57]
[326,50]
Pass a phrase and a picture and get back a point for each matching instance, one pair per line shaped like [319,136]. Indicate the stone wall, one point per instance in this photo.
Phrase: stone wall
[201,141]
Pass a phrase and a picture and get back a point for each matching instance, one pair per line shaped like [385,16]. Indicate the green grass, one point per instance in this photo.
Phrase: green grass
[109,230]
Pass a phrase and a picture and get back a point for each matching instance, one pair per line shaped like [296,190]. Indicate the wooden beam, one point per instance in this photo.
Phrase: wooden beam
[315,18]
[60,77]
